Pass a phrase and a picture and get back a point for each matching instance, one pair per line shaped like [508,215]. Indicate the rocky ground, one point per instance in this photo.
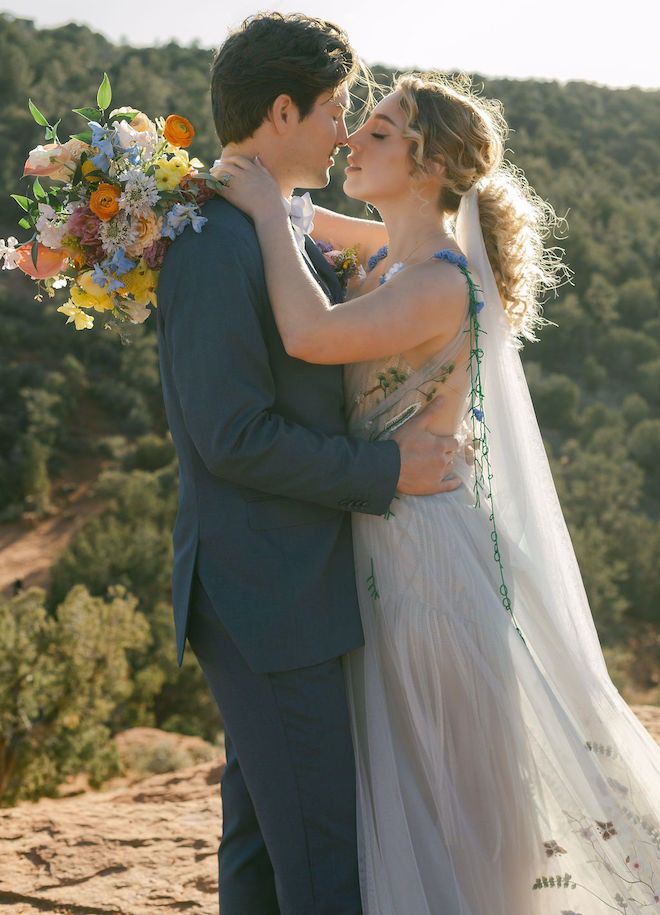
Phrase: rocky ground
[137,849]
[140,848]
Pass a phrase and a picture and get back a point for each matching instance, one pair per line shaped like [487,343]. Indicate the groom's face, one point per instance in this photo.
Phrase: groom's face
[316,138]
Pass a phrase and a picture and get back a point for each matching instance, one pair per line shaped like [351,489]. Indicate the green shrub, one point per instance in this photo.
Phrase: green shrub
[61,678]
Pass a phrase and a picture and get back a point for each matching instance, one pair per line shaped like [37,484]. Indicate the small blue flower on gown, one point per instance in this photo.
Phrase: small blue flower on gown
[378,256]
[478,414]
[451,257]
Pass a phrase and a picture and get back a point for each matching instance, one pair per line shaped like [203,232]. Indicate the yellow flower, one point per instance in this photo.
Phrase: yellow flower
[82,320]
[87,294]
[140,283]
[87,167]
[170,171]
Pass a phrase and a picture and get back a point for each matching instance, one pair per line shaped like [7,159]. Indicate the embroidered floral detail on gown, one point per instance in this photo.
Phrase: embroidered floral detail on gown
[493,777]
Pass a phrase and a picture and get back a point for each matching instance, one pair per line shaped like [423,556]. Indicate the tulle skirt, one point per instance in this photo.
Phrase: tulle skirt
[496,775]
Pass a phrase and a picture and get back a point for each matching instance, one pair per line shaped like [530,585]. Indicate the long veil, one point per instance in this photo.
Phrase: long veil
[609,767]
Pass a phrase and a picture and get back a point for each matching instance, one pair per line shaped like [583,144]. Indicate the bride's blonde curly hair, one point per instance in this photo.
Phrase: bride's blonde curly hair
[448,123]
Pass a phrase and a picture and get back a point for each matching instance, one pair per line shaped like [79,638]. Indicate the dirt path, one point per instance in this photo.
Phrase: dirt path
[29,547]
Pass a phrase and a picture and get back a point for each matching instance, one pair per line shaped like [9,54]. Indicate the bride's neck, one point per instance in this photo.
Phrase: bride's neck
[410,226]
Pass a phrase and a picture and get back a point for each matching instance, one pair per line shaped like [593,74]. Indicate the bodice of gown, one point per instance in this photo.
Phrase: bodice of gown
[382,394]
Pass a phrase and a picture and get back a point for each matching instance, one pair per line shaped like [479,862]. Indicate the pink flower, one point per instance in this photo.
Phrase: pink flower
[94,254]
[203,193]
[54,160]
[155,254]
[85,225]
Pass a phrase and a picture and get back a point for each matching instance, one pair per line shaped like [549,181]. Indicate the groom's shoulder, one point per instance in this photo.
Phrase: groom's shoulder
[227,222]
[227,232]
[223,216]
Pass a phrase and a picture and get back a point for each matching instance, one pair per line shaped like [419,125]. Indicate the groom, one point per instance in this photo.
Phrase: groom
[263,582]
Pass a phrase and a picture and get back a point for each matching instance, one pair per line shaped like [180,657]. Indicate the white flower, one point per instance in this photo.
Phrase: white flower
[60,282]
[9,253]
[138,313]
[50,233]
[40,157]
[116,233]
[46,210]
[140,193]
[128,136]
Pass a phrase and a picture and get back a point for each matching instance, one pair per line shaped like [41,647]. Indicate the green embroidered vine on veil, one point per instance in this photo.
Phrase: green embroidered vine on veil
[482,470]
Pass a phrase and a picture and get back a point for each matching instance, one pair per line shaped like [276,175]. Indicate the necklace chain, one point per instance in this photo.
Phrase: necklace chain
[417,247]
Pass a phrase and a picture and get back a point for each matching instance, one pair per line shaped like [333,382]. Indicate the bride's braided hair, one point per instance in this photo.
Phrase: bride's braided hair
[447,122]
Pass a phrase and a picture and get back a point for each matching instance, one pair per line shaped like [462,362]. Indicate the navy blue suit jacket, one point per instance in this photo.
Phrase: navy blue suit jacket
[267,473]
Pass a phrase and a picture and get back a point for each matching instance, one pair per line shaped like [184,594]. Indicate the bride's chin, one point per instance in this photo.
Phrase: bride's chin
[349,188]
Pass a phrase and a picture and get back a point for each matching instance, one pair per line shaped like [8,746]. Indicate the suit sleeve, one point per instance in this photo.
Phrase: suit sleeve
[210,295]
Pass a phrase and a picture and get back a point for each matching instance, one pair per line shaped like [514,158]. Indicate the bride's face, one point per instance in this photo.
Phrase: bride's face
[379,164]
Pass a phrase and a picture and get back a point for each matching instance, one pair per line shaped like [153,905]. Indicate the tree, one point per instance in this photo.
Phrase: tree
[61,677]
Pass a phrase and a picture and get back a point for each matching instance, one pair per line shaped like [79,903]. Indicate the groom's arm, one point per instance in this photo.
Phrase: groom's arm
[210,296]
[346,231]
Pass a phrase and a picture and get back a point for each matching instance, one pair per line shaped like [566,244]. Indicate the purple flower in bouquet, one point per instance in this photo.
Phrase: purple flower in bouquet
[155,253]
[85,225]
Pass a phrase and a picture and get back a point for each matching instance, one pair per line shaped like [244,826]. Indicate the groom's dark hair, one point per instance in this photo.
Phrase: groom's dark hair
[271,55]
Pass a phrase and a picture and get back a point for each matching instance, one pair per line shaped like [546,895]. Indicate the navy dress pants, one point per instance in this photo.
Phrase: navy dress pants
[288,793]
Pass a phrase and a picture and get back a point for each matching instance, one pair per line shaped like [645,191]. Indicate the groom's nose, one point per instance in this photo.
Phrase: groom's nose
[342,133]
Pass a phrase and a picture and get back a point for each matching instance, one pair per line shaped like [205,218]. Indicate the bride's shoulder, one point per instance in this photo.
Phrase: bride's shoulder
[446,274]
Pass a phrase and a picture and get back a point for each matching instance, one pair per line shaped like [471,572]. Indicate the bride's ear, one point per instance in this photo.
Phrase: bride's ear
[436,168]
[283,113]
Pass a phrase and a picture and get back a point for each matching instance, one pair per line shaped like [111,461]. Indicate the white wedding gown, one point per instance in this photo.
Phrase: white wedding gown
[499,772]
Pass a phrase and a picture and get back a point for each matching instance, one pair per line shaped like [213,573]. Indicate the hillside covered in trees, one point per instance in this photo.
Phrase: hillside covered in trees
[71,400]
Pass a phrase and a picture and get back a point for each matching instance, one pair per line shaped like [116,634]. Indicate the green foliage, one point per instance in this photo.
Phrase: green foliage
[130,545]
[61,678]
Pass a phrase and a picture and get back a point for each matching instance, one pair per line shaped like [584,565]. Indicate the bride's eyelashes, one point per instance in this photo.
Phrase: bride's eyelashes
[379,136]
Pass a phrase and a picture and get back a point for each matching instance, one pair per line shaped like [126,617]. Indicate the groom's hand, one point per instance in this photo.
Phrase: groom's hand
[426,459]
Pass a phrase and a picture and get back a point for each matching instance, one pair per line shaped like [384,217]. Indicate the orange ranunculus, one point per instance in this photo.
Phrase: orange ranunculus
[104,202]
[178,131]
[50,261]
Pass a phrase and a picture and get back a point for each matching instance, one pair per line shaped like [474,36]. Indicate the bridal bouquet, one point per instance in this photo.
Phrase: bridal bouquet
[119,193]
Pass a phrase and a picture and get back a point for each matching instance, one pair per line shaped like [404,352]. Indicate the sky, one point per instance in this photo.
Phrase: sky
[562,40]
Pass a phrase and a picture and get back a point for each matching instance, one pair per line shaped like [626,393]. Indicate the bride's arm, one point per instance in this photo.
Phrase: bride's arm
[416,305]
[346,231]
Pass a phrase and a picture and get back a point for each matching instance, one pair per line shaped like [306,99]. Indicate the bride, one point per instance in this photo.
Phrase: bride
[499,771]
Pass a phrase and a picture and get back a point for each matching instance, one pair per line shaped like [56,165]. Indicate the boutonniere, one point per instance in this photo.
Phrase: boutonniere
[345,264]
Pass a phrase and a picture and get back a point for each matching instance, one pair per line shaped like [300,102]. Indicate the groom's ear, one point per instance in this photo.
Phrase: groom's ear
[283,113]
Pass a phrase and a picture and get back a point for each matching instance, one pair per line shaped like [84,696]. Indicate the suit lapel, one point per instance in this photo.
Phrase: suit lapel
[323,272]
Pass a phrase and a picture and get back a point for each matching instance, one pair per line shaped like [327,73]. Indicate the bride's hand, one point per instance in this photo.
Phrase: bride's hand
[248,185]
